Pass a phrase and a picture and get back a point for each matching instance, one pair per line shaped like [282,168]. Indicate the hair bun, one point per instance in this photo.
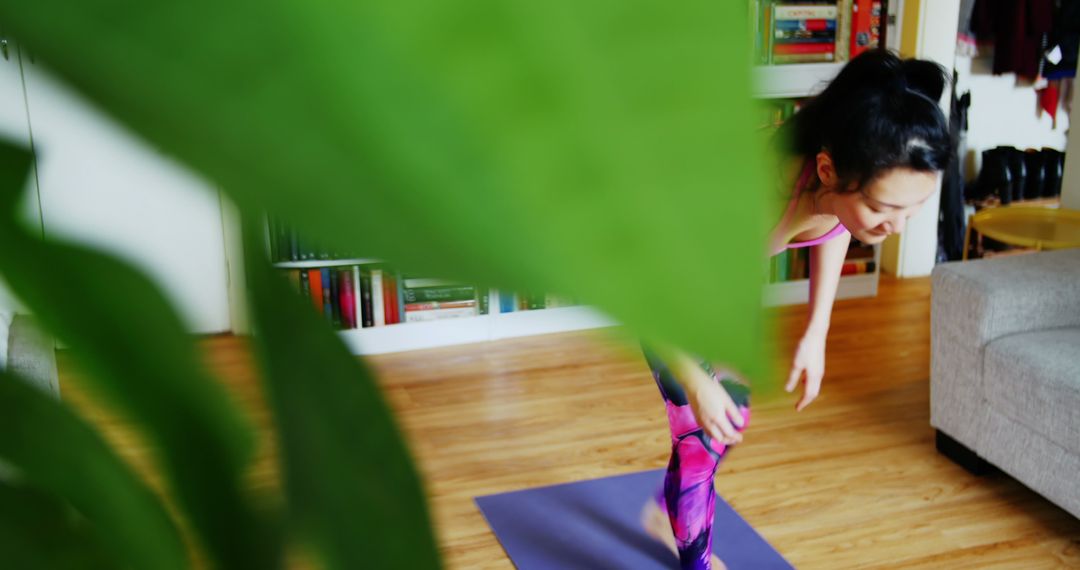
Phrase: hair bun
[925,77]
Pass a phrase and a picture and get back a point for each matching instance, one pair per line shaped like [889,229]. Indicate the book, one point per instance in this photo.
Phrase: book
[439,314]
[328,306]
[790,26]
[399,304]
[435,305]
[378,309]
[444,293]
[365,299]
[858,267]
[506,302]
[315,278]
[335,298]
[794,48]
[389,293]
[824,11]
[302,283]
[804,58]
[346,290]
[866,25]
[418,282]
[843,30]
[358,295]
[805,38]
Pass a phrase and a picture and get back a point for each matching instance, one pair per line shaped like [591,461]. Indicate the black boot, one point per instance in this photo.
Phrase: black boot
[1036,174]
[995,178]
[1053,169]
[1014,158]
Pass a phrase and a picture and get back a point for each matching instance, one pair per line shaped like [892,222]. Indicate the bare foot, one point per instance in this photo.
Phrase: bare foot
[657,526]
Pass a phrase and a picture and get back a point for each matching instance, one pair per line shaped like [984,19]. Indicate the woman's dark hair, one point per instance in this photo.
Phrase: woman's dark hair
[880,112]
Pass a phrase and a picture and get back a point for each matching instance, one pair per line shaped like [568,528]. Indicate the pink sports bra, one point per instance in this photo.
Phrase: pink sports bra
[837,230]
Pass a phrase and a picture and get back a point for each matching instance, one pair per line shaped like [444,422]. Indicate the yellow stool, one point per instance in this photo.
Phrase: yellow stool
[1039,228]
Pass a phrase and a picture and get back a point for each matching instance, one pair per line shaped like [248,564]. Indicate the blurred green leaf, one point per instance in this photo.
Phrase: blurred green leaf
[136,352]
[39,531]
[352,489]
[58,452]
[599,150]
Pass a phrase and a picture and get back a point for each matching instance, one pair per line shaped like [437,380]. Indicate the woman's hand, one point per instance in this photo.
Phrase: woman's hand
[713,408]
[809,360]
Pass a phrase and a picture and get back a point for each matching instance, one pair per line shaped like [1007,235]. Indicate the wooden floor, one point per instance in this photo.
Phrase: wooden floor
[853,481]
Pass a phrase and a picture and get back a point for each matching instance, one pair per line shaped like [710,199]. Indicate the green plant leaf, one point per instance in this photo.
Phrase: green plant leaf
[353,492]
[58,452]
[601,150]
[39,531]
[136,352]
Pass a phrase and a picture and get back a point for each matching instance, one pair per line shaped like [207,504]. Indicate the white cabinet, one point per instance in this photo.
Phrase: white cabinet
[102,186]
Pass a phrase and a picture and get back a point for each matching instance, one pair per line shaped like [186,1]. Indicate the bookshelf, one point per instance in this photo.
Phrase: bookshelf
[406,336]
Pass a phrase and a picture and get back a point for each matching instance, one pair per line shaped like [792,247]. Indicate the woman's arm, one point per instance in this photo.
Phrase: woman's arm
[826,260]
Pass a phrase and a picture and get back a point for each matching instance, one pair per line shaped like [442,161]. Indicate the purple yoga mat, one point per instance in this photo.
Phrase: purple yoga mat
[595,524]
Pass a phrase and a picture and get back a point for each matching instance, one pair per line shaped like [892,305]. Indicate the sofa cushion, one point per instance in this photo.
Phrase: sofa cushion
[1034,378]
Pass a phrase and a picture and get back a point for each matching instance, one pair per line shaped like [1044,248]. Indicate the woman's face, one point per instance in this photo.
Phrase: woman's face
[884,205]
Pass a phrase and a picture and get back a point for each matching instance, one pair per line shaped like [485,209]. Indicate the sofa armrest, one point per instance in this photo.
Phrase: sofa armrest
[976,302]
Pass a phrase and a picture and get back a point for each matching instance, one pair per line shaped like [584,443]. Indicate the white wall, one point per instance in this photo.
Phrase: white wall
[1003,113]
[101,186]
[912,253]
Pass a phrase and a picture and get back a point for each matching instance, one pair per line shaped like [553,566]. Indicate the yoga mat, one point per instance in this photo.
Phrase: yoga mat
[590,525]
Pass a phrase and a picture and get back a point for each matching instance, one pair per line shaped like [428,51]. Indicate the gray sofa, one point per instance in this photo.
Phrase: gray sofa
[1005,368]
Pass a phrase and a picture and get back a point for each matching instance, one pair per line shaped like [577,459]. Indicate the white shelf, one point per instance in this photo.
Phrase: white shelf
[482,328]
[316,263]
[793,80]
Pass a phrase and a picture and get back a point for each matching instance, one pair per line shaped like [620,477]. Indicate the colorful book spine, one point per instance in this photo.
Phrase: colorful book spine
[389,293]
[365,299]
[358,294]
[347,292]
[843,30]
[506,302]
[335,299]
[858,267]
[435,305]
[305,285]
[788,26]
[866,25]
[400,304]
[378,309]
[425,294]
[328,305]
[799,48]
[780,59]
[825,11]
[315,280]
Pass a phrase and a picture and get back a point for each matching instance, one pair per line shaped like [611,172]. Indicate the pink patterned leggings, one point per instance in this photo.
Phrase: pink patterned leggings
[687,493]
